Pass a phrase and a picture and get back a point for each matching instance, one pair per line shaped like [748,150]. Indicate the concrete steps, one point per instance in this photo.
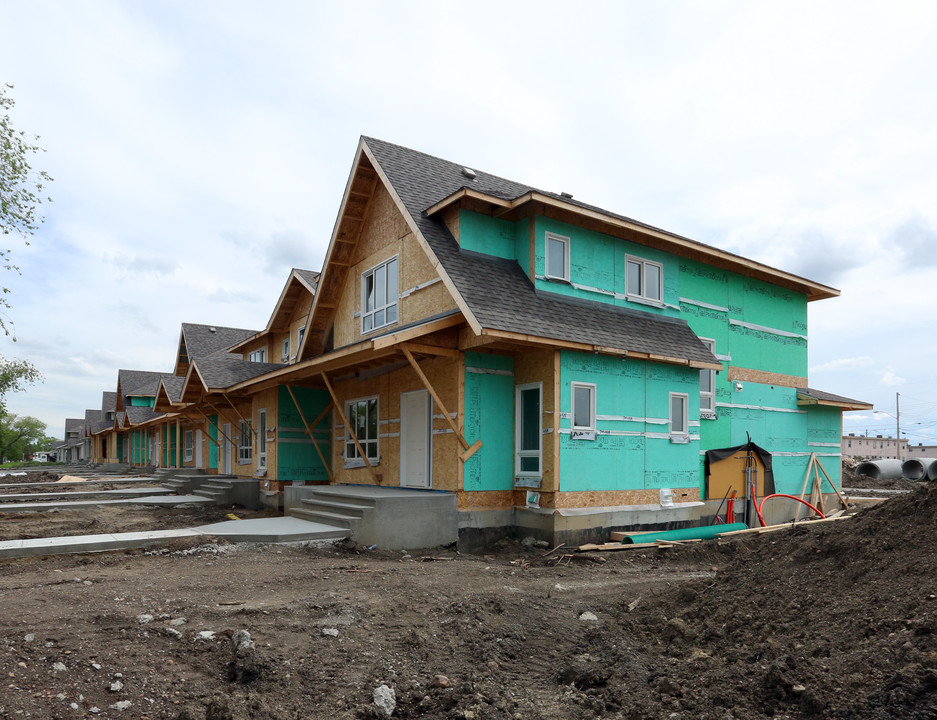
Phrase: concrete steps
[230,490]
[345,512]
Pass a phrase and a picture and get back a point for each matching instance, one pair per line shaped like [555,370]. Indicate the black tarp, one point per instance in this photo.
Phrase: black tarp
[723,453]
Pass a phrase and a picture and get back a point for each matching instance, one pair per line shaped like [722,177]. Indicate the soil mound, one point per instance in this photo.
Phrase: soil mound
[833,621]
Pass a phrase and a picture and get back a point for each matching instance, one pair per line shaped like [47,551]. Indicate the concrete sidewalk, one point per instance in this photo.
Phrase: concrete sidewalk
[167,499]
[258,530]
[86,494]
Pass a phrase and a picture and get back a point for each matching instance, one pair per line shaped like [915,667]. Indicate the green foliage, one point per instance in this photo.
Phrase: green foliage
[14,376]
[21,435]
[21,187]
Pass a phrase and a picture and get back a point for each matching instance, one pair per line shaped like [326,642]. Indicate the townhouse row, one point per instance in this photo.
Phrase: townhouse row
[540,358]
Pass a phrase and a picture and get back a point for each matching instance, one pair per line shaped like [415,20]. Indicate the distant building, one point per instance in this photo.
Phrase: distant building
[878,447]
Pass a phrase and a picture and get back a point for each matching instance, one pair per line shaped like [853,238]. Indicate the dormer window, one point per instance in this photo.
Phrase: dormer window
[258,355]
[556,261]
[379,296]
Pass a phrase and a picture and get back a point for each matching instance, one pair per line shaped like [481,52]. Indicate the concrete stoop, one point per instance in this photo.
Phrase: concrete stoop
[183,482]
[230,490]
[391,518]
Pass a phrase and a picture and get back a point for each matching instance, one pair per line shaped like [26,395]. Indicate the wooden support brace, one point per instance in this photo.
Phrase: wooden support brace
[309,427]
[218,429]
[348,429]
[841,497]
[432,349]
[464,456]
[250,430]
[439,404]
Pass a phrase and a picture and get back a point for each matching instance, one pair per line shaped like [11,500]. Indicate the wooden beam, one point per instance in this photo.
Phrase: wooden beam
[309,432]
[439,404]
[432,349]
[217,444]
[415,332]
[476,446]
[348,429]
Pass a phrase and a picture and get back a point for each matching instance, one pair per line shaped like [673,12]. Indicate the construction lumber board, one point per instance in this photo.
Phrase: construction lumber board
[612,546]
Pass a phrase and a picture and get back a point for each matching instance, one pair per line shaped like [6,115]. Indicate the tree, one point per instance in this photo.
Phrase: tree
[21,435]
[21,187]
[14,376]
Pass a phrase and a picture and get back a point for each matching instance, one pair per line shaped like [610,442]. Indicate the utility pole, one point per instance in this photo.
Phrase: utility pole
[898,423]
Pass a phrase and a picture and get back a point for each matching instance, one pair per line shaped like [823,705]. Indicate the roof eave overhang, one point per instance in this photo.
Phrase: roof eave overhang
[806,400]
[674,243]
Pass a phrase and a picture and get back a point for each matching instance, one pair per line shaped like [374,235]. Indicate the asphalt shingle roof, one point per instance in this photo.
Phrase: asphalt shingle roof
[310,276]
[139,382]
[173,387]
[830,397]
[138,414]
[108,401]
[224,372]
[498,292]
[202,341]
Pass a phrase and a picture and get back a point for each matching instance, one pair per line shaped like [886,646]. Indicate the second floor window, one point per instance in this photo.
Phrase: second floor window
[285,355]
[644,279]
[245,443]
[379,296]
[556,260]
[707,381]
[258,355]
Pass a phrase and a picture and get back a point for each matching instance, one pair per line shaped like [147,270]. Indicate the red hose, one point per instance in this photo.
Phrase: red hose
[768,497]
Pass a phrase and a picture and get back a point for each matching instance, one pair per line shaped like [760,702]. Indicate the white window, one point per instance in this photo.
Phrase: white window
[644,279]
[245,446]
[707,383]
[583,406]
[285,354]
[556,259]
[189,444]
[258,355]
[528,430]
[679,414]
[379,296]
[299,337]
[261,439]
[363,418]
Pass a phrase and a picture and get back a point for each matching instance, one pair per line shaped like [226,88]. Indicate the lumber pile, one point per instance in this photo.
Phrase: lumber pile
[617,537]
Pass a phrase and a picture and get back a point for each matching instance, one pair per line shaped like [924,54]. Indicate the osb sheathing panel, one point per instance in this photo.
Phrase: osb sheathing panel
[451,218]
[532,367]
[384,235]
[765,378]
[265,400]
[486,500]
[609,498]
[442,374]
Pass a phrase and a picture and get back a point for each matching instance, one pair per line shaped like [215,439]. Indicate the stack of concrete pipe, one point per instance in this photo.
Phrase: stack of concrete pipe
[889,469]
[920,469]
[880,469]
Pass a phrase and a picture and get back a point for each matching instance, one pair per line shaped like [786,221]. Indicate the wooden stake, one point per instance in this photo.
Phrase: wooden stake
[803,490]
[842,499]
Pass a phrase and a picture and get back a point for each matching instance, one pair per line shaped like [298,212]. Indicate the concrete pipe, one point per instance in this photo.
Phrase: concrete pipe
[886,469]
[920,468]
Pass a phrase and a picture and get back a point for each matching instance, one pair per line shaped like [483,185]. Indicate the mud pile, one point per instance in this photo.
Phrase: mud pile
[832,621]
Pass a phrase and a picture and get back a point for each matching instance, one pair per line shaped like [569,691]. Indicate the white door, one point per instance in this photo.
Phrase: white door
[226,449]
[198,448]
[416,439]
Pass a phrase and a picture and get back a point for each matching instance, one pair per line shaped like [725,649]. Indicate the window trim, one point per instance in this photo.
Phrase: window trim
[262,439]
[546,256]
[285,350]
[710,412]
[685,432]
[188,444]
[349,444]
[572,406]
[245,449]
[518,415]
[395,304]
[261,352]
[644,264]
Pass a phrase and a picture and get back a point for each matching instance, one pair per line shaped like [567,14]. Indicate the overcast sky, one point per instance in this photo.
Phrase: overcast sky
[200,150]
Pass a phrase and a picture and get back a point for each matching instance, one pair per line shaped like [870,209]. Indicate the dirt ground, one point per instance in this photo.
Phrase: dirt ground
[831,621]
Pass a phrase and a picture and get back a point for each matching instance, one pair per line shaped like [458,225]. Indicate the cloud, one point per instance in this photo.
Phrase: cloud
[850,363]
[916,240]
[890,379]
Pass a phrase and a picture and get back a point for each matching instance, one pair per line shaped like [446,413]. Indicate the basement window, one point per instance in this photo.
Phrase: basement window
[644,279]
[379,296]
[362,417]
[556,260]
